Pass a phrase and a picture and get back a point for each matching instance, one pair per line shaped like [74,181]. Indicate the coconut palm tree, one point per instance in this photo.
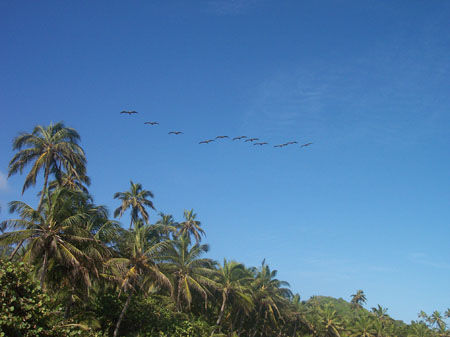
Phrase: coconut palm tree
[167,225]
[137,199]
[55,233]
[190,272]
[380,312]
[331,324]
[49,148]
[233,283]
[358,299]
[137,269]
[363,327]
[190,226]
[270,295]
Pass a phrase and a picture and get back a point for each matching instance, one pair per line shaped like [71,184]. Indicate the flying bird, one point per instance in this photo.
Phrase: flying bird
[206,141]
[128,112]
[151,123]
[260,143]
[294,142]
[220,137]
[307,144]
[175,132]
[240,137]
[279,145]
[251,139]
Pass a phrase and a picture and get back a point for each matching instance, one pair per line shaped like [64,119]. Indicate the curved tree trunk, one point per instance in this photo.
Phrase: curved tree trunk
[122,314]
[222,308]
[16,249]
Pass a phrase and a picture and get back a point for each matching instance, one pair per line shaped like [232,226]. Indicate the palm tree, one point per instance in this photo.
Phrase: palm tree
[167,225]
[190,272]
[358,299]
[48,148]
[270,296]
[136,199]
[190,226]
[331,324]
[137,269]
[53,233]
[380,312]
[233,281]
[363,327]
[419,330]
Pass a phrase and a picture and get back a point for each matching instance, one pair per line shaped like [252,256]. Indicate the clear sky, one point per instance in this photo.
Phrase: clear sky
[367,206]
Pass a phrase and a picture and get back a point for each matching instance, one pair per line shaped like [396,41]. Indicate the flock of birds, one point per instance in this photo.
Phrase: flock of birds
[207,141]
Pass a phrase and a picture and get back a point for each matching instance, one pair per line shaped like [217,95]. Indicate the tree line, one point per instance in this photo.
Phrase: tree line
[89,275]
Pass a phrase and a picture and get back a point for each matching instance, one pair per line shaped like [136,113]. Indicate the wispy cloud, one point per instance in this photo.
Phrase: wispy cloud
[426,260]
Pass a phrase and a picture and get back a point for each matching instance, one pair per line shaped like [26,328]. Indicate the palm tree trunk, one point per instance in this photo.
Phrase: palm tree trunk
[47,171]
[44,270]
[295,329]
[222,308]
[68,306]
[122,314]
[16,249]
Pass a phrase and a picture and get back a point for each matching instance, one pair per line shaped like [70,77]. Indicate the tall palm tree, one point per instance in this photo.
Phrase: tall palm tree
[137,269]
[331,324]
[137,199]
[48,148]
[233,282]
[167,225]
[358,299]
[55,233]
[190,272]
[190,226]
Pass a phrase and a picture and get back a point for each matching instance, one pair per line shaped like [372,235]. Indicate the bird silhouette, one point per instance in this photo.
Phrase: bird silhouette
[240,137]
[220,137]
[251,139]
[151,123]
[307,144]
[175,132]
[293,142]
[128,112]
[264,143]
[206,141]
[279,145]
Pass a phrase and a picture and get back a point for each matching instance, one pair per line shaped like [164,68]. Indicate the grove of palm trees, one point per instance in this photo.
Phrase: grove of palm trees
[69,268]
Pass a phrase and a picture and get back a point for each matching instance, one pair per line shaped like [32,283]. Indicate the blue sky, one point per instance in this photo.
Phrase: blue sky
[365,207]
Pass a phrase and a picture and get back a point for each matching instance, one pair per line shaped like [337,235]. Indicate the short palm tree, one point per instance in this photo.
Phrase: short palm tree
[137,269]
[190,272]
[380,312]
[363,327]
[190,226]
[137,199]
[49,148]
[233,282]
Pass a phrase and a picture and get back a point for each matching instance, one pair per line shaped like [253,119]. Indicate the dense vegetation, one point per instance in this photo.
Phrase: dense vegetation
[68,269]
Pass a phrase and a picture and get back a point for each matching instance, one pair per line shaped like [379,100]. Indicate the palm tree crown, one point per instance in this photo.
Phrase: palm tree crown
[49,148]
[136,199]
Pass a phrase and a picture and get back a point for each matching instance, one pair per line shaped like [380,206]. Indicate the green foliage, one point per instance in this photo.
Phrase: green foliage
[26,311]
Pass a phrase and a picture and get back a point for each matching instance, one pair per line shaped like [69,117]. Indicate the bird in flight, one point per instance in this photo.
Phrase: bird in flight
[128,112]
[251,139]
[307,144]
[279,145]
[264,143]
[240,137]
[175,132]
[151,123]
[220,137]
[289,143]
[206,141]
